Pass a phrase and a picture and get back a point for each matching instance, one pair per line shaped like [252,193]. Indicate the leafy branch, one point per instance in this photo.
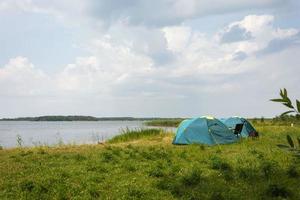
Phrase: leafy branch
[293,147]
[286,101]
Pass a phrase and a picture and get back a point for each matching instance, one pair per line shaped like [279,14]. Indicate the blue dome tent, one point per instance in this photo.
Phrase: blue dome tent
[203,130]
[247,127]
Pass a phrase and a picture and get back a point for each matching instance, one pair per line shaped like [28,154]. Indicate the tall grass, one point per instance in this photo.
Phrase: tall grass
[129,135]
[164,122]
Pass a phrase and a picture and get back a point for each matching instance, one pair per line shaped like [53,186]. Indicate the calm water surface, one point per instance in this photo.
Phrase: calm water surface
[51,133]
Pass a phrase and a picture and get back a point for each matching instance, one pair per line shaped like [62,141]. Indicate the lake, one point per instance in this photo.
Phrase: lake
[61,132]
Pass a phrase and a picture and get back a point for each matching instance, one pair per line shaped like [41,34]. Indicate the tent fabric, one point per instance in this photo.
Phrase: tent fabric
[203,130]
[233,121]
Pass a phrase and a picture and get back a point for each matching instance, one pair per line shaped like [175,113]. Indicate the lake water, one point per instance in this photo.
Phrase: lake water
[52,133]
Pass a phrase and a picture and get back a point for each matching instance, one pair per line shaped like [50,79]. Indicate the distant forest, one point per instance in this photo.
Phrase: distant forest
[78,118]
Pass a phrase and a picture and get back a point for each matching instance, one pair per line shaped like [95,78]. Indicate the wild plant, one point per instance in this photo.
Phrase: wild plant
[19,141]
[292,146]
[285,100]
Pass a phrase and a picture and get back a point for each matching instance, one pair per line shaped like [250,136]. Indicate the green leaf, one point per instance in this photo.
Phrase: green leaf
[288,100]
[298,155]
[290,141]
[298,105]
[287,112]
[278,100]
[284,92]
[283,146]
[281,93]
[288,105]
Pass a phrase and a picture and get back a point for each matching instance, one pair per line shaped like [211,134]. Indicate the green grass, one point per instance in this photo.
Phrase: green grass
[129,135]
[150,167]
[164,122]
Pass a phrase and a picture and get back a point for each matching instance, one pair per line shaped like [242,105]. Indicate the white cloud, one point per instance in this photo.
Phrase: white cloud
[122,62]
[177,37]
[19,77]
[259,28]
[126,64]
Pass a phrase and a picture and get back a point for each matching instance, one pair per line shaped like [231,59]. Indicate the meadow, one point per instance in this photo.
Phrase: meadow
[143,164]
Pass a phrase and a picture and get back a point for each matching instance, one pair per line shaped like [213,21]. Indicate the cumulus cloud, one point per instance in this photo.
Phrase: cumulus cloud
[19,77]
[141,40]
[235,33]
[256,35]
[121,61]
[281,43]
[148,57]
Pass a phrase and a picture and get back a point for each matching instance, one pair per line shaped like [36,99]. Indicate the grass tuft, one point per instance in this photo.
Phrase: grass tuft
[275,190]
[129,135]
[164,122]
[220,164]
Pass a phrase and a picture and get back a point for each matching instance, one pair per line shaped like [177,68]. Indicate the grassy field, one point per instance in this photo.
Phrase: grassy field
[146,165]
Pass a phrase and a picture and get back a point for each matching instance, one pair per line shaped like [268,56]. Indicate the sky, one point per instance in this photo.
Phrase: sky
[140,58]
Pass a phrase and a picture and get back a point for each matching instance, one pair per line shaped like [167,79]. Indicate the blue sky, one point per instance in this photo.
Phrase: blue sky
[165,58]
